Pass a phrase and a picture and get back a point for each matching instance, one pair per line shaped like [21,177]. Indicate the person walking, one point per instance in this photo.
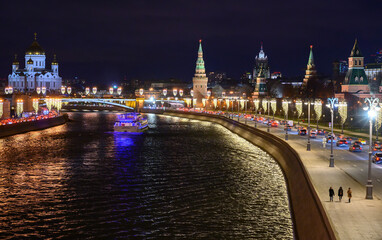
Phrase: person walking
[340,193]
[349,194]
[331,194]
[324,142]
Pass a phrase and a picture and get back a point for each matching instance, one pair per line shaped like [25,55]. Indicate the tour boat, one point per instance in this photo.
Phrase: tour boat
[130,122]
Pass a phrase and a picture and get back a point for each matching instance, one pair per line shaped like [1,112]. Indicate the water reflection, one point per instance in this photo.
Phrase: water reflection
[181,179]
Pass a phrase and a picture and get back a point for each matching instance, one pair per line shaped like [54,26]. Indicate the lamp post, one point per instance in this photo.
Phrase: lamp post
[285,107]
[372,109]
[256,102]
[268,102]
[331,105]
[308,144]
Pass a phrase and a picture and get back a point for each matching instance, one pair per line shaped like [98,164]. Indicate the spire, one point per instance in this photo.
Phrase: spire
[311,60]
[200,62]
[355,52]
[35,36]
[261,53]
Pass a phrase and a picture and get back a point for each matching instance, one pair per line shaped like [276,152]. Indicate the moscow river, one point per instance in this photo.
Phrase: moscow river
[182,179]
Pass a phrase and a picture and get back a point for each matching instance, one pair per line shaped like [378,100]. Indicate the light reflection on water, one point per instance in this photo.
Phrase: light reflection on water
[181,179]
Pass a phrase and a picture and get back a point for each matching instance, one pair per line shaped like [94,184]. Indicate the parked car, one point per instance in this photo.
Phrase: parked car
[288,128]
[377,158]
[302,132]
[355,148]
[313,135]
[342,143]
[349,139]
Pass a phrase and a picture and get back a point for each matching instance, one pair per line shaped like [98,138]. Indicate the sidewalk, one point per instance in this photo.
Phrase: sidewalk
[360,219]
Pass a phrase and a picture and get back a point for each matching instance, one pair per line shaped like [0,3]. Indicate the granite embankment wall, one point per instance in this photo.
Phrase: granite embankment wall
[12,129]
[309,217]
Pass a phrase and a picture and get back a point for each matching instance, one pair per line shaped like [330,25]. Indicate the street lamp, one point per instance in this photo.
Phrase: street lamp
[286,107]
[331,105]
[256,102]
[372,112]
[308,144]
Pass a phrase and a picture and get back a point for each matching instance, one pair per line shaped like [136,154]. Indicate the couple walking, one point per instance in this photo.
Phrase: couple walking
[340,194]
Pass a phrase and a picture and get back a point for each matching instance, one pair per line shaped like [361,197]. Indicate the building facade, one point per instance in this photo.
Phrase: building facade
[200,79]
[35,74]
[260,65]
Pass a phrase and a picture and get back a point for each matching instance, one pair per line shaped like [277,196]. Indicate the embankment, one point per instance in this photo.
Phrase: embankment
[12,129]
[309,217]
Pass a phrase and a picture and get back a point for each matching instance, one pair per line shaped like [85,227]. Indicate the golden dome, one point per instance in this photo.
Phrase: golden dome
[35,48]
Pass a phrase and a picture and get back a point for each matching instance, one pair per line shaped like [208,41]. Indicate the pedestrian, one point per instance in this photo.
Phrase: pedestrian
[331,194]
[349,194]
[324,142]
[340,193]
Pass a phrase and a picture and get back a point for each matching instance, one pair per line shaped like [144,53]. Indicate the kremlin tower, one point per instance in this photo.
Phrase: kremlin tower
[355,79]
[200,79]
[310,69]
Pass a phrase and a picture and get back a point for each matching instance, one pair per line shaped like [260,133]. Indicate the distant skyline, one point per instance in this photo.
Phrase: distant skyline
[104,41]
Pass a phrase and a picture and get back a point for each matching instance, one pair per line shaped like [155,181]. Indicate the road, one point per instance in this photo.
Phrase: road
[355,164]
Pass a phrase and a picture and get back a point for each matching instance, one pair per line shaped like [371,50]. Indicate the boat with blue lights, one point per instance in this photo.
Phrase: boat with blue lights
[130,122]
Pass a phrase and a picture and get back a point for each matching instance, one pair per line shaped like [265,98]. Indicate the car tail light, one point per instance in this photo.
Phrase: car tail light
[353,148]
[375,149]
[377,158]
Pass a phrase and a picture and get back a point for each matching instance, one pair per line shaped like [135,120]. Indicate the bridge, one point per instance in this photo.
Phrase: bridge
[125,103]
[118,102]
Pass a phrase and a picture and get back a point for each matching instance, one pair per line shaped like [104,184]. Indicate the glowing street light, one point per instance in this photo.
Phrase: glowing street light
[63,89]
[141,91]
[19,107]
[43,90]
[119,90]
[35,105]
[308,144]
[256,103]
[165,92]
[285,104]
[69,90]
[87,90]
[1,108]
[174,91]
[94,90]
[111,90]
[208,93]
[180,92]
[372,109]
[331,105]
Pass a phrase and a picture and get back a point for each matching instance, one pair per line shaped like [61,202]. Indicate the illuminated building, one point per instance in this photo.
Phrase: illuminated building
[310,69]
[356,79]
[373,71]
[35,74]
[261,64]
[276,75]
[261,87]
[200,80]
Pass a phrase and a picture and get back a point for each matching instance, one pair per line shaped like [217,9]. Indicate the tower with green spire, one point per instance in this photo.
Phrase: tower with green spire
[200,79]
[356,79]
[261,87]
[310,69]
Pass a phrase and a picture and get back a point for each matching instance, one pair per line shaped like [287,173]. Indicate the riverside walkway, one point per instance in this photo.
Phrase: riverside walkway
[360,219]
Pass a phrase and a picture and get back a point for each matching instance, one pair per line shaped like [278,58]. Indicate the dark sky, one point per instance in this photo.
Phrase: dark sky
[102,41]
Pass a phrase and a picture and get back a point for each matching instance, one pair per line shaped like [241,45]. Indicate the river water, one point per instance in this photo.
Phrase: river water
[182,179]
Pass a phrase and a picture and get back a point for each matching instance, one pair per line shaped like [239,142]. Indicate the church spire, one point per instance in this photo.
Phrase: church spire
[311,60]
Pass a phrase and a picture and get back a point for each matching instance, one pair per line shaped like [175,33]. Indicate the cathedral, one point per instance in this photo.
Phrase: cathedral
[261,65]
[35,74]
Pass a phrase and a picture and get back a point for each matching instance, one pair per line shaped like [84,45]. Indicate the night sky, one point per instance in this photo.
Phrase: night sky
[103,41]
